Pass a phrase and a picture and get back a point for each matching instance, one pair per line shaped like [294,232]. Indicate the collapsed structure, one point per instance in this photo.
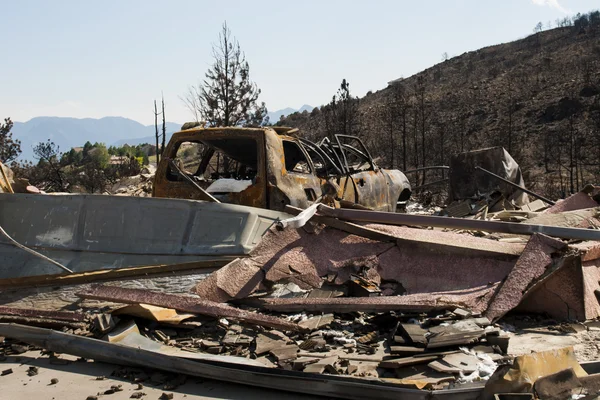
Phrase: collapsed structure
[317,299]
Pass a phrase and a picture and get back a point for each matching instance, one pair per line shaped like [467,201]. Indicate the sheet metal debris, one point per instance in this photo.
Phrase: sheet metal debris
[337,302]
[468,224]
[87,233]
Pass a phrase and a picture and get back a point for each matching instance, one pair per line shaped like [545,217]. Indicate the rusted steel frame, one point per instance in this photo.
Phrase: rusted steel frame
[344,226]
[185,176]
[108,274]
[348,304]
[324,157]
[534,194]
[327,146]
[367,155]
[274,379]
[388,218]
[185,303]
[427,168]
[33,313]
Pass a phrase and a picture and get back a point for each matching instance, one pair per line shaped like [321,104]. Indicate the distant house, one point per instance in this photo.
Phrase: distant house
[117,160]
[395,81]
[148,149]
[77,149]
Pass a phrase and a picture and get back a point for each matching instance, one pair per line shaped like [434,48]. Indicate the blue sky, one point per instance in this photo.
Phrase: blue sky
[112,58]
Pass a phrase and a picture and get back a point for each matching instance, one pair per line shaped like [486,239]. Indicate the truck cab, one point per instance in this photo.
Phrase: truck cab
[271,167]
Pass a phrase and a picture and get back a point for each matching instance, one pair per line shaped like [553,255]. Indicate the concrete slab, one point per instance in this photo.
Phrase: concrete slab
[77,380]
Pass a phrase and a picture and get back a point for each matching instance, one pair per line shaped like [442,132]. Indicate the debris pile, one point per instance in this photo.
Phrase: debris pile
[335,302]
[137,185]
[433,350]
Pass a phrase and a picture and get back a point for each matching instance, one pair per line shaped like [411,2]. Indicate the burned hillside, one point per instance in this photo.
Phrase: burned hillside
[538,97]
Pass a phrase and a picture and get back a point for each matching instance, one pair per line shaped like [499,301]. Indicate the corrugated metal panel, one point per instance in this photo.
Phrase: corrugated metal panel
[89,232]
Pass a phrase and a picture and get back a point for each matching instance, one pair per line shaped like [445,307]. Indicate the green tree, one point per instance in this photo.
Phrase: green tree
[73,157]
[227,97]
[86,148]
[10,148]
[99,155]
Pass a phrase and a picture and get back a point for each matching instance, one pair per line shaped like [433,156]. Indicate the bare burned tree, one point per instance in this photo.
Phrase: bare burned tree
[420,90]
[156,132]
[341,114]
[93,177]
[164,131]
[227,96]
[394,118]
[54,177]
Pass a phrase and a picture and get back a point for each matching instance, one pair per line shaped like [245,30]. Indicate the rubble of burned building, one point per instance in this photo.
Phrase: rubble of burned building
[346,303]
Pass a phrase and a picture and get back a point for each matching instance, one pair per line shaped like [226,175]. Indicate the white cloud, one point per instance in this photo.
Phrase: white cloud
[552,4]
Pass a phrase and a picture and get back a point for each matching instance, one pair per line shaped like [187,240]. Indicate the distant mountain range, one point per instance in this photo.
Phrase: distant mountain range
[112,131]
[276,115]
[74,132]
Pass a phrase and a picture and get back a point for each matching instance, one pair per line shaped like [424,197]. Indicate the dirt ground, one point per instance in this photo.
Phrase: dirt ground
[79,379]
[586,343]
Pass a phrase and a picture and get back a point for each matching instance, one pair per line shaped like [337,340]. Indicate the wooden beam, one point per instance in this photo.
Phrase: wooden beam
[194,305]
[108,274]
[348,304]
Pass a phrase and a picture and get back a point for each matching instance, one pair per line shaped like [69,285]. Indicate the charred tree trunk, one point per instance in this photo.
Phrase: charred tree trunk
[416,144]
[156,132]
[404,141]
[164,128]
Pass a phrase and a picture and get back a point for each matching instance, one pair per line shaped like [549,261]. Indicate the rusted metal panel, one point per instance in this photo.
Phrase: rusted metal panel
[87,232]
[287,187]
[187,304]
[253,196]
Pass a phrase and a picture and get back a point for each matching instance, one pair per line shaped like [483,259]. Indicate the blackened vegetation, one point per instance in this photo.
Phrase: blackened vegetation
[538,97]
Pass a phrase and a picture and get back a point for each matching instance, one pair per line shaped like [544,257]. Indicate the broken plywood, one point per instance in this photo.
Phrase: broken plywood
[414,333]
[153,313]
[317,322]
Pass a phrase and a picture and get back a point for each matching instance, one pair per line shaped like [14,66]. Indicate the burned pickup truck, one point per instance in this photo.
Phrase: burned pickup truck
[272,167]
